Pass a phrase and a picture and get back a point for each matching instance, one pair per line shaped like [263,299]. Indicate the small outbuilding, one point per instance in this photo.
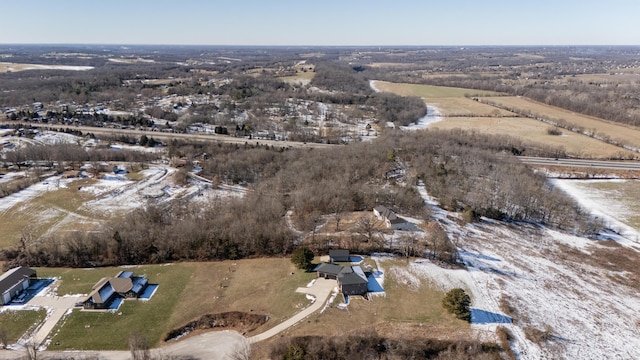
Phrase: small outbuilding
[14,281]
[339,255]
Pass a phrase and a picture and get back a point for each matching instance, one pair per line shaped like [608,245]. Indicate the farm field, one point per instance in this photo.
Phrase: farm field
[535,132]
[427,91]
[627,134]
[15,67]
[460,112]
[462,106]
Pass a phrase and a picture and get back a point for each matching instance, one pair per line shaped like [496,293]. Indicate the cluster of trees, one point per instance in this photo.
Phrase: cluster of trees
[470,171]
[370,345]
[466,171]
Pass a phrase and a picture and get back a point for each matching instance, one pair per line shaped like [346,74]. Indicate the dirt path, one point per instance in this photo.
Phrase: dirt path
[320,289]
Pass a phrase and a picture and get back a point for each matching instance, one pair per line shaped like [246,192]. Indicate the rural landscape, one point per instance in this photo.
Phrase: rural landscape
[310,202]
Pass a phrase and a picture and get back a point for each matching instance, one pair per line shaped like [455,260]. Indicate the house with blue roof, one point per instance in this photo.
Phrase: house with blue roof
[123,286]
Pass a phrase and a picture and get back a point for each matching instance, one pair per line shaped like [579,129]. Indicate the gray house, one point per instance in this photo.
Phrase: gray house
[351,279]
[15,281]
[339,255]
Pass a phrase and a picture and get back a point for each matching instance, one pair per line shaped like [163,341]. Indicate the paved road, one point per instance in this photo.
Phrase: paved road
[321,289]
[215,345]
[172,136]
[600,164]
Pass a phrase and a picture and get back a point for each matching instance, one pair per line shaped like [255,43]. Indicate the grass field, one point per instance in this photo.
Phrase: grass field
[534,131]
[300,77]
[18,322]
[44,212]
[402,304]
[462,106]
[428,91]
[628,134]
[186,292]
[15,67]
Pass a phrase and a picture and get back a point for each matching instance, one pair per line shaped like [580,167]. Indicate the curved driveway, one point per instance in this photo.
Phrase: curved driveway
[321,290]
[214,345]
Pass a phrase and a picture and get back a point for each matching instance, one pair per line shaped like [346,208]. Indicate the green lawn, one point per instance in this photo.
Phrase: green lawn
[187,291]
[84,330]
[18,322]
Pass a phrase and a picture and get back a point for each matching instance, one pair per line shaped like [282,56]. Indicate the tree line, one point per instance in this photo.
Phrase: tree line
[465,171]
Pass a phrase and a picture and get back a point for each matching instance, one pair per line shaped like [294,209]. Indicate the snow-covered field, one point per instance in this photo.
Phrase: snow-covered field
[433,116]
[543,275]
[600,203]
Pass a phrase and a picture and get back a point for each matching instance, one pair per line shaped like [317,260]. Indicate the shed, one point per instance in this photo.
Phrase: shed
[339,255]
[15,281]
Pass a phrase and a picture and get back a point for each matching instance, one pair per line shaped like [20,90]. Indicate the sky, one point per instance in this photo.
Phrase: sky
[326,22]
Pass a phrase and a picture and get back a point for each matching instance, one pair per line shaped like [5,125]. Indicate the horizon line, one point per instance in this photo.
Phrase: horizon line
[319,46]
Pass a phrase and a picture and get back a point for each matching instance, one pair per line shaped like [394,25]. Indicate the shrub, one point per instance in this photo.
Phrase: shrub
[302,257]
[457,302]
[554,131]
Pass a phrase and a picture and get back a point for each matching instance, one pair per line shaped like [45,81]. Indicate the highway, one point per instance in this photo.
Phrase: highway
[177,136]
[596,164]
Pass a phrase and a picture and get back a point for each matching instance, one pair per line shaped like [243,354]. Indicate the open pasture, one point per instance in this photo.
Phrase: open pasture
[428,91]
[626,134]
[15,67]
[535,132]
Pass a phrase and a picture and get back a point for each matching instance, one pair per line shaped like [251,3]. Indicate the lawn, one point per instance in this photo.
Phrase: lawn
[186,292]
[428,91]
[18,322]
[110,331]
[401,305]
[262,286]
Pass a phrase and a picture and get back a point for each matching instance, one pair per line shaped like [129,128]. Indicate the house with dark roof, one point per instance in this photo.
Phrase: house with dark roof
[339,255]
[390,218]
[13,282]
[124,285]
[351,279]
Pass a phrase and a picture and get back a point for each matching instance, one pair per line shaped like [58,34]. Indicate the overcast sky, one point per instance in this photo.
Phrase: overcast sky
[324,22]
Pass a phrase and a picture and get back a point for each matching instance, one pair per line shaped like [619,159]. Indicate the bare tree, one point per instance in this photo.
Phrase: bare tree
[242,351]
[139,346]
[367,226]
[32,350]
[4,337]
